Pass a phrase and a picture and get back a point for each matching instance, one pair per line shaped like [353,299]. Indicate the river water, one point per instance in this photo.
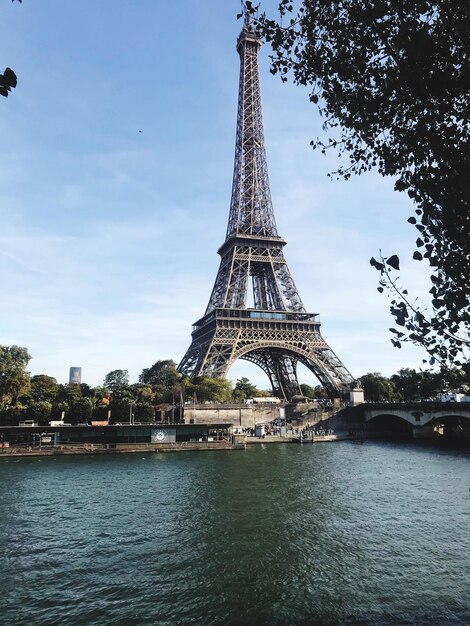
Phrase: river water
[331,533]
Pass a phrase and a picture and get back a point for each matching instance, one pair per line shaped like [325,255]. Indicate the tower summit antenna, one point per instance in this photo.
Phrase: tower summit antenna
[255,311]
[245,12]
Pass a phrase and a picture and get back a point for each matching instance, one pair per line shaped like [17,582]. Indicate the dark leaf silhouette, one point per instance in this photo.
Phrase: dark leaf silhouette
[394,262]
[376,264]
[9,77]
[8,81]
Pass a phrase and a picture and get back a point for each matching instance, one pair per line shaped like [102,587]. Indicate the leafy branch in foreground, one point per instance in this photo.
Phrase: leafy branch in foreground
[442,331]
[391,80]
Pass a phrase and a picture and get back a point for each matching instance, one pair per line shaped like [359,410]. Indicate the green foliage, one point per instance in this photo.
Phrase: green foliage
[68,394]
[162,395]
[378,388]
[144,412]
[320,392]
[425,385]
[391,80]
[40,412]
[161,373]
[244,390]
[307,391]
[120,410]
[407,381]
[80,411]
[99,393]
[208,389]
[411,385]
[14,380]
[116,380]
[87,391]
[143,393]
[122,393]
[43,388]
[57,409]
[12,415]
[443,330]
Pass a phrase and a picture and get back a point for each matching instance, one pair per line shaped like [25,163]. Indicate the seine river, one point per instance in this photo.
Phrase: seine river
[331,533]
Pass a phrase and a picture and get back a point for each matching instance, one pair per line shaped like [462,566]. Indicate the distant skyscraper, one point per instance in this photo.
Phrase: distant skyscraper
[75,376]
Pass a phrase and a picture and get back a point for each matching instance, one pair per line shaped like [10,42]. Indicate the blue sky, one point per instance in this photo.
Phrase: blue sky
[115,177]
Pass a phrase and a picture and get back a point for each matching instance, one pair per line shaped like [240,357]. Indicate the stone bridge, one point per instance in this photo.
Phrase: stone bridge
[422,419]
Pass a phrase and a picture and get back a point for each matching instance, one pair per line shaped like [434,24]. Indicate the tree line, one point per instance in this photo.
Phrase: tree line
[410,385]
[161,390]
[158,394]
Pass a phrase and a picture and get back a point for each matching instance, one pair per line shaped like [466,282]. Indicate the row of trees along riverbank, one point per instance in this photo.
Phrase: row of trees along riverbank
[161,388]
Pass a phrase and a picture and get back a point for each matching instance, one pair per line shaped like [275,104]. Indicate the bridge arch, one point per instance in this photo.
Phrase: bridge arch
[390,425]
[451,425]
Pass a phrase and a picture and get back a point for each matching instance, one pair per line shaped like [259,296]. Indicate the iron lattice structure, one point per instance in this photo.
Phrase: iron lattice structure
[274,331]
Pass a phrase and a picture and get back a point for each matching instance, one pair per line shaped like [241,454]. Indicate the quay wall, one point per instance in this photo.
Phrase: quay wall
[94,449]
[238,415]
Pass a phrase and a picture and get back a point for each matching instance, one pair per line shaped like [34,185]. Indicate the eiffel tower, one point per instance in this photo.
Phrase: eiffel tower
[274,331]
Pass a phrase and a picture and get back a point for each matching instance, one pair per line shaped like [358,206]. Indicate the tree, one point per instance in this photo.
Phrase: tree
[161,373]
[121,410]
[101,394]
[378,388]
[116,380]
[69,394]
[208,389]
[320,392]
[454,379]
[14,380]
[244,389]
[162,395]
[13,415]
[407,381]
[143,393]
[43,388]
[426,385]
[307,391]
[80,411]
[40,412]
[391,79]
[144,412]
[430,385]
[87,391]
[59,408]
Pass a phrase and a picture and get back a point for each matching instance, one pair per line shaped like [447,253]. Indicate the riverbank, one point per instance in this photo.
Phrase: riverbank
[104,449]
[239,443]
